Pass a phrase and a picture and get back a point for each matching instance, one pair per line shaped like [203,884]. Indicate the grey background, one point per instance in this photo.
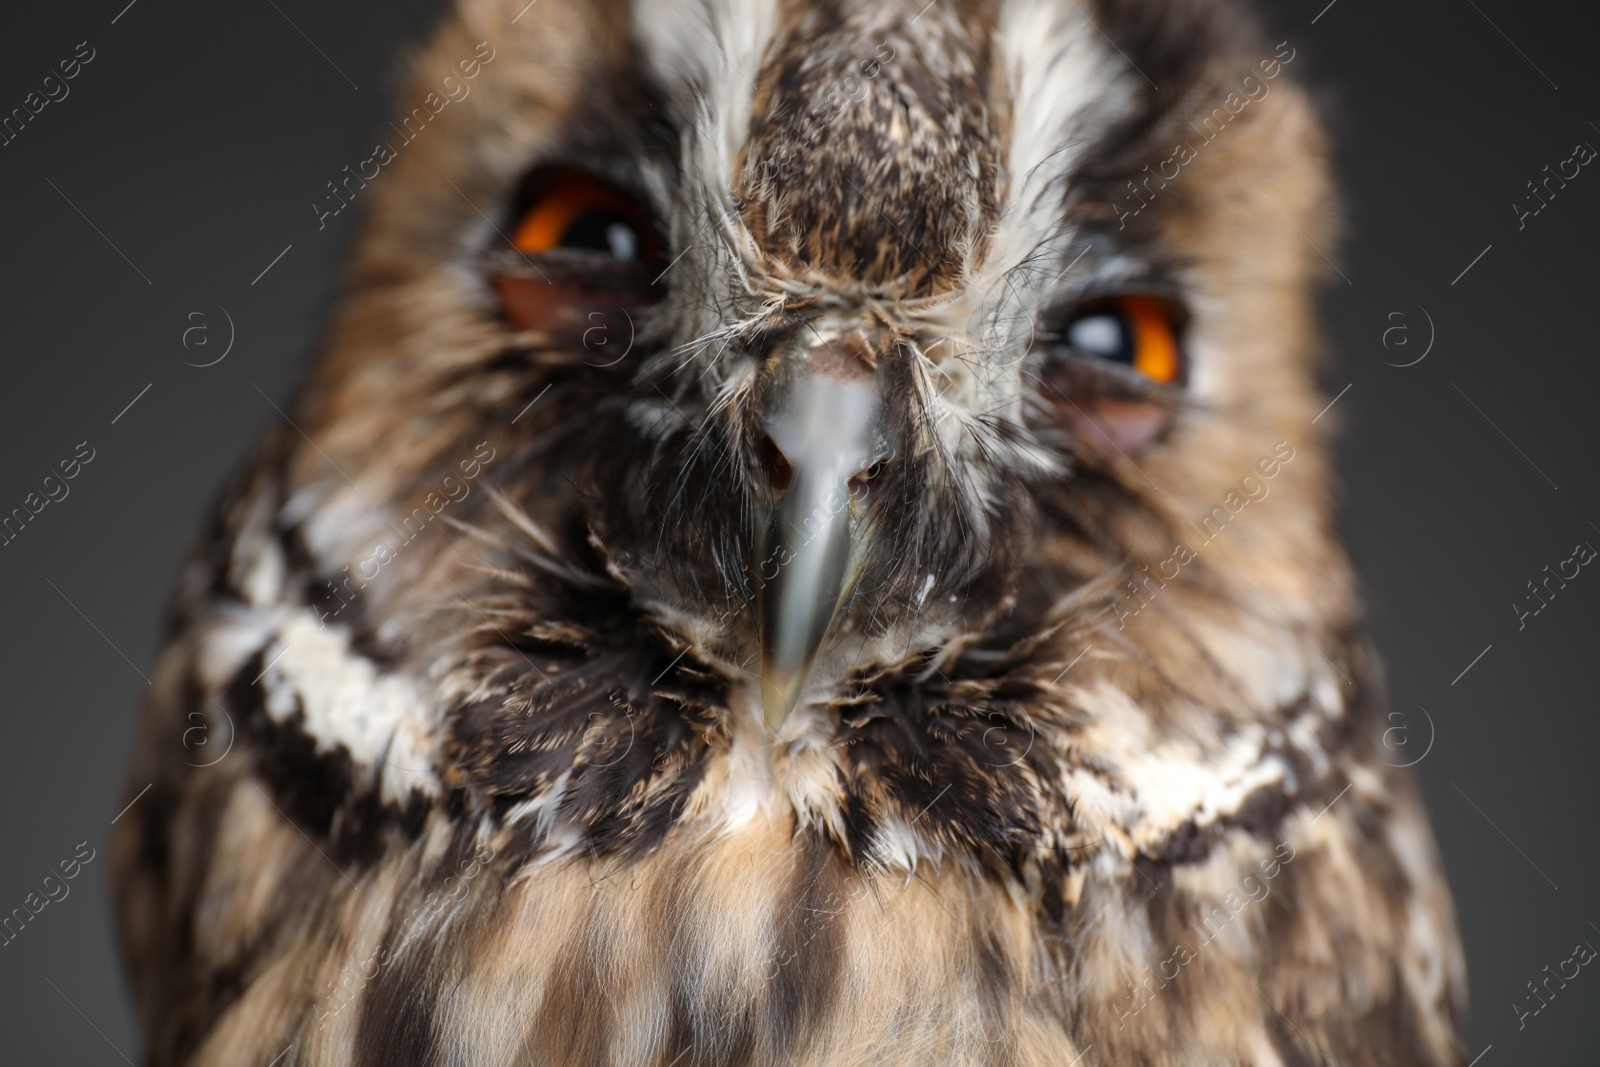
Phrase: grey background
[198,137]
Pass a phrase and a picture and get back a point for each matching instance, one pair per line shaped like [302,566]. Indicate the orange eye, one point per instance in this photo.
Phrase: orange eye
[575,211]
[1136,331]
[598,253]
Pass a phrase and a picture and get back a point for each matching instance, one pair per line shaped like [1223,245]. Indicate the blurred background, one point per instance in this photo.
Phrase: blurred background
[157,219]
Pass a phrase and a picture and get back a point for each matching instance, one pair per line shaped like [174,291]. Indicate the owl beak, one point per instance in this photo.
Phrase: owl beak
[827,424]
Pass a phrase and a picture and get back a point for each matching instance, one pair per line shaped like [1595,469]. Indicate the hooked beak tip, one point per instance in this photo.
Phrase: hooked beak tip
[780,691]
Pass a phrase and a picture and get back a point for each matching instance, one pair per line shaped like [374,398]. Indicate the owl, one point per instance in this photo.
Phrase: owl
[807,543]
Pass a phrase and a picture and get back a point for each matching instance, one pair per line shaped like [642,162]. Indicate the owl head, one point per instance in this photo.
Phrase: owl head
[823,500]
[839,342]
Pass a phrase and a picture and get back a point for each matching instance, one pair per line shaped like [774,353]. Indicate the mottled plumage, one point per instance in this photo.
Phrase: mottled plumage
[1086,766]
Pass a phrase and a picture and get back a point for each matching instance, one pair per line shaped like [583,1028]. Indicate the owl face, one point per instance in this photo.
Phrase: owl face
[869,330]
[818,501]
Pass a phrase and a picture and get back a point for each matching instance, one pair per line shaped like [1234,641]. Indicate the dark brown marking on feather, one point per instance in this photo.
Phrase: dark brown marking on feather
[175,857]
[808,951]
[952,754]
[605,699]
[1391,1030]
[1288,1045]
[192,989]
[321,593]
[215,556]
[1385,1034]
[400,1006]
[398,1024]
[192,979]
[1264,810]
[319,788]
[994,982]
[1261,813]
[708,1030]
[1048,884]
[1168,913]
[576,1013]
[1370,839]
[207,577]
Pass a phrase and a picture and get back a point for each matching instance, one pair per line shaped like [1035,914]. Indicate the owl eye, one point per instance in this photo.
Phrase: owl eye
[583,254]
[1139,332]
[575,212]
[1105,377]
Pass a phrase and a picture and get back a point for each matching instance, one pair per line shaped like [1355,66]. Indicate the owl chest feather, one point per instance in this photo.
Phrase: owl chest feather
[951,866]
